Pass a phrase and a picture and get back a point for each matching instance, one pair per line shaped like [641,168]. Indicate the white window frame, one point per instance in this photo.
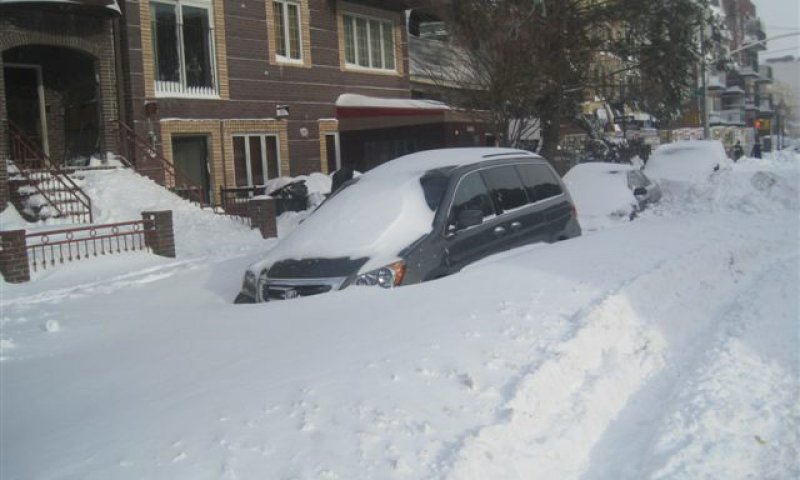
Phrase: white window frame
[248,166]
[284,6]
[349,17]
[180,89]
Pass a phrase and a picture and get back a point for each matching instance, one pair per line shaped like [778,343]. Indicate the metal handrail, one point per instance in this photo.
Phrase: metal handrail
[178,182]
[24,150]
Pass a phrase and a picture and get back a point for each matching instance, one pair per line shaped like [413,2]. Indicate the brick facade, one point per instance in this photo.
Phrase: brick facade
[82,31]
[253,82]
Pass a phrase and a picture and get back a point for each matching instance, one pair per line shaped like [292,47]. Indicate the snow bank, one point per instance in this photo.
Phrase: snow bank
[121,195]
[750,186]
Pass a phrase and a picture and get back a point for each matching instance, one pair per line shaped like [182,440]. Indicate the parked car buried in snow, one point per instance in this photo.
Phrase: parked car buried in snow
[687,160]
[416,218]
[614,190]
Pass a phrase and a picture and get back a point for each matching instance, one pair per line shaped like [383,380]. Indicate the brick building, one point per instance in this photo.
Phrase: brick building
[239,91]
[231,92]
[59,77]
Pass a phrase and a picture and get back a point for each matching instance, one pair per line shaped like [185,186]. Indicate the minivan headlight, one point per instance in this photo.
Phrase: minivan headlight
[249,282]
[387,277]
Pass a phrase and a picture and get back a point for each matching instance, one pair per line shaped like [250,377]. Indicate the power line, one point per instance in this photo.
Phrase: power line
[780,27]
[767,52]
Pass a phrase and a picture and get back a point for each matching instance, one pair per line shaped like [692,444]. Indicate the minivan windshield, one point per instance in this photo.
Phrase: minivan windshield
[376,217]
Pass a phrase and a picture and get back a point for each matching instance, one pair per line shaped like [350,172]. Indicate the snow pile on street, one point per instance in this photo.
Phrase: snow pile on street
[664,348]
[753,186]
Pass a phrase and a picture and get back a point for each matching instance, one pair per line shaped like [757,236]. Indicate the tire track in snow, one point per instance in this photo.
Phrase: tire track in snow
[560,410]
[736,416]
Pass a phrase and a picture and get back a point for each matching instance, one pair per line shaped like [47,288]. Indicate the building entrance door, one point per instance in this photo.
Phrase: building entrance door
[190,154]
[25,101]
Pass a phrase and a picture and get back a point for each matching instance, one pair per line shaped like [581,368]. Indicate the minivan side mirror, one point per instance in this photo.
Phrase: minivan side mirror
[639,191]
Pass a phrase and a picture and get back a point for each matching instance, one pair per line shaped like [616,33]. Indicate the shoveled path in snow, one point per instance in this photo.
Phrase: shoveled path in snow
[629,353]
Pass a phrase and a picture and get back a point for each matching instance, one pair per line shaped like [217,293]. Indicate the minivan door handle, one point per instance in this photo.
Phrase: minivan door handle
[516,225]
[499,231]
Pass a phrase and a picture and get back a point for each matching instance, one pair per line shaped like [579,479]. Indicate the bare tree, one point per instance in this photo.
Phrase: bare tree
[530,63]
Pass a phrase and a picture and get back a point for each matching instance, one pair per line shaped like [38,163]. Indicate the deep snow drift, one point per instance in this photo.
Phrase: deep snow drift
[665,347]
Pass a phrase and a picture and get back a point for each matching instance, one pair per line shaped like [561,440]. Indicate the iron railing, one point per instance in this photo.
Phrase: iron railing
[57,189]
[148,161]
[46,249]
[235,200]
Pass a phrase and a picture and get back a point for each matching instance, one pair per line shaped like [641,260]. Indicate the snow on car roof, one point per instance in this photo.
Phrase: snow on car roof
[418,163]
[380,214]
[600,190]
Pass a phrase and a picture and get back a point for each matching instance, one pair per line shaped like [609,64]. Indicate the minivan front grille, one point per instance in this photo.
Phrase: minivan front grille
[284,289]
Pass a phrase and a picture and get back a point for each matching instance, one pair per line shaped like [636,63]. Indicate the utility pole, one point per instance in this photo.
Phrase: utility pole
[703,82]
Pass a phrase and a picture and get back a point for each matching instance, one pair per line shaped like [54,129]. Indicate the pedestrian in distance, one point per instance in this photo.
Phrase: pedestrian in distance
[756,150]
[738,151]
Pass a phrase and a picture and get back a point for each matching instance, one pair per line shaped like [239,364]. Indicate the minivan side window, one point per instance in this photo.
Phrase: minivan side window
[505,187]
[540,182]
[471,194]
[637,179]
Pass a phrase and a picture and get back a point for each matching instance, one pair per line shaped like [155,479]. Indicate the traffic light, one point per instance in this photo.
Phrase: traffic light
[757,124]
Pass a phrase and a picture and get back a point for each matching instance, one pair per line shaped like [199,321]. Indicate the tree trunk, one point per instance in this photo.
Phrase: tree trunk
[551,132]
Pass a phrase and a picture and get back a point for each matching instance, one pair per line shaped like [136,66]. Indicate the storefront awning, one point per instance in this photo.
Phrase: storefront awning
[360,112]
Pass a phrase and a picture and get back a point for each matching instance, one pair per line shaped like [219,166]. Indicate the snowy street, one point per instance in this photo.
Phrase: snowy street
[667,347]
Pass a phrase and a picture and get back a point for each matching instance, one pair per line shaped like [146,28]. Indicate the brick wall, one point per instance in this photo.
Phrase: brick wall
[263,216]
[14,257]
[161,237]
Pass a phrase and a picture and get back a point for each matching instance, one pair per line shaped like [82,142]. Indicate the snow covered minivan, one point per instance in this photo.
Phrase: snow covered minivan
[417,218]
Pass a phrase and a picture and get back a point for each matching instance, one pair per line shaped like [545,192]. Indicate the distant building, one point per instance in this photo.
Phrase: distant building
[786,93]
[738,92]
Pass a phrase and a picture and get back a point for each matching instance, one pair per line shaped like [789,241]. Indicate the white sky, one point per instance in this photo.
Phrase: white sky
[780,17]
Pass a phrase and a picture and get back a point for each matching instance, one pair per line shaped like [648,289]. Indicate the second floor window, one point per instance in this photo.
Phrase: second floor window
[369,43]
[183,47]
[288,31]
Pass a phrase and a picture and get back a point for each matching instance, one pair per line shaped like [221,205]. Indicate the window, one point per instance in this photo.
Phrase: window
[183,48]
[471,194]
[637,179]
[540,182]
[369,43]
[332,153]
[287,31]
[255,159]
[505,187]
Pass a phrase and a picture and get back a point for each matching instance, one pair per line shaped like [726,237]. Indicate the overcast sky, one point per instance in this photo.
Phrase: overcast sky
[780,17]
